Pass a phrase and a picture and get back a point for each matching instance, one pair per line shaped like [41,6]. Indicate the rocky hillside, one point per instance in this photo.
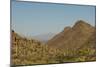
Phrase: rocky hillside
[73,44]
[73,38]
[25,51]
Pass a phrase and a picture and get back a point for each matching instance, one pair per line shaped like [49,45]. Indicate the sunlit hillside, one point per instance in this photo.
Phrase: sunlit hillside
[71,45]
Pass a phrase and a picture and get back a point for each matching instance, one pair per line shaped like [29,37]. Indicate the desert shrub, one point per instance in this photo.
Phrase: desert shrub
[26,51]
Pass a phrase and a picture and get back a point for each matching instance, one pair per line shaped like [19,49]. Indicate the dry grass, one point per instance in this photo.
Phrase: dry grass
[29,51]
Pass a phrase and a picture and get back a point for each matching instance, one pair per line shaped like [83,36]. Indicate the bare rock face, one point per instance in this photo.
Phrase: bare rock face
[73,38]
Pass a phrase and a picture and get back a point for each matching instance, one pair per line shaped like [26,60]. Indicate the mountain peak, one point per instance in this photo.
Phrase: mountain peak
[67,28]
[73,37]
[81,23]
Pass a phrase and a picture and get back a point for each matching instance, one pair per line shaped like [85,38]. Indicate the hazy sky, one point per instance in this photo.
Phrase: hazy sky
[31,18]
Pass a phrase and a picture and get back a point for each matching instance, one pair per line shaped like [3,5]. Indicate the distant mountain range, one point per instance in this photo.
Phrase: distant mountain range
[44,37]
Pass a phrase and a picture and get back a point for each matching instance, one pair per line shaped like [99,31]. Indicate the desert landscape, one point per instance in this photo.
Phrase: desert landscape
[72,44]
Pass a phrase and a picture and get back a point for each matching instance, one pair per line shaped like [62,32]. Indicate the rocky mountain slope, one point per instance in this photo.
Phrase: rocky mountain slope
[73,44]
[73,38]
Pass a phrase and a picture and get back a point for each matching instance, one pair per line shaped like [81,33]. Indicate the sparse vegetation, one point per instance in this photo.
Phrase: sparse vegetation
[29,51]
